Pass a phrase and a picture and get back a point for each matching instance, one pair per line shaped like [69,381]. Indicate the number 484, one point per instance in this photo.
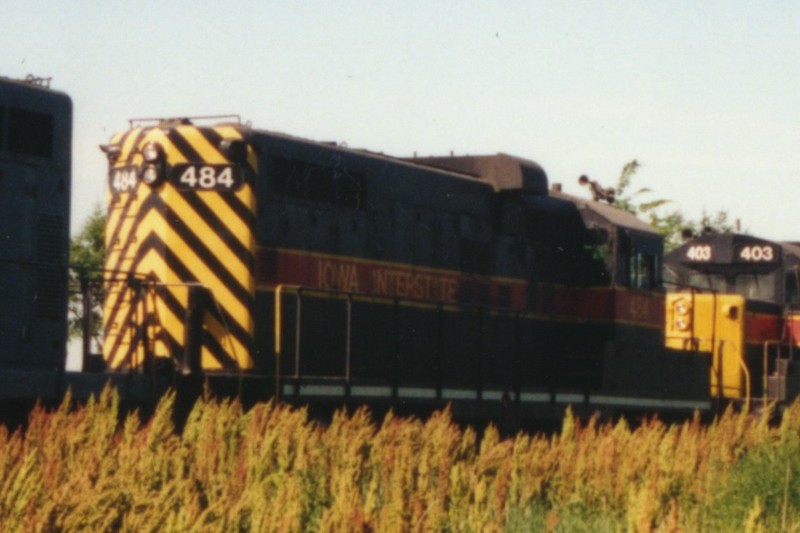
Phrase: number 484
[207,177]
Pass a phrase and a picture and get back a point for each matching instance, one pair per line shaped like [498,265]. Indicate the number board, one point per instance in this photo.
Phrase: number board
[699,253]
[757,253]
[123,179]
[202,177]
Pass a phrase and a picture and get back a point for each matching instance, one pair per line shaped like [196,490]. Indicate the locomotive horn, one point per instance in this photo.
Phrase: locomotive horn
[598,192]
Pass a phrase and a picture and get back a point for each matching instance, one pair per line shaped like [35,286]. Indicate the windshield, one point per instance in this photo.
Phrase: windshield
[705,280]
[750,285]
[755,286]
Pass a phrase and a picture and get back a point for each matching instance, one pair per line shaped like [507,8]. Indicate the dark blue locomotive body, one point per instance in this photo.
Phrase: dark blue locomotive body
[35,147]
[321,274]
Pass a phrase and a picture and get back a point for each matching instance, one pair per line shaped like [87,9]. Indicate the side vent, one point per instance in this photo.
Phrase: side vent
[50,266]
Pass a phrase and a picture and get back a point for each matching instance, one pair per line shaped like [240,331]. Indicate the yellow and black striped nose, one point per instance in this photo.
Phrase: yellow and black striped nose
[179,243]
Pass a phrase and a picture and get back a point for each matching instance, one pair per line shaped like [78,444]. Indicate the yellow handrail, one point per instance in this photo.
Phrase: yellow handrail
[746,378]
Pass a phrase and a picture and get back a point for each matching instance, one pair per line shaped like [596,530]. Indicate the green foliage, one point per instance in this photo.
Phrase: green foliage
[668,222]
[87,255]
[763,488]
[87,249]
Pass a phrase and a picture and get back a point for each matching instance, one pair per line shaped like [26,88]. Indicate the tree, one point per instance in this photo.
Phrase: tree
[672,223]
[86,256]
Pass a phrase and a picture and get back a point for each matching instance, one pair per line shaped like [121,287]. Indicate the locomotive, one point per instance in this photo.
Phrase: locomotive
[35,148]
[736,298]
[313,272]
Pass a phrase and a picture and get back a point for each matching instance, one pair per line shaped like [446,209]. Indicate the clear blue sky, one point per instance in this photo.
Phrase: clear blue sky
[706,95]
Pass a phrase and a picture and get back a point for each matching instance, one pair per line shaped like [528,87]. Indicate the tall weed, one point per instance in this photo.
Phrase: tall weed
[272,468]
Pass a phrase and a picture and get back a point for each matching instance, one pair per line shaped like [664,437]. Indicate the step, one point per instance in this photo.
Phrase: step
[776,388]
[782,366]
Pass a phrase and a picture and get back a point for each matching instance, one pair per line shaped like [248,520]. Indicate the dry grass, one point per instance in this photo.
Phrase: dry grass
[273,469]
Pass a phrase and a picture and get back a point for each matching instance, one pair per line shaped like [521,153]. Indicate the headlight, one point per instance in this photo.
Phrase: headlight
[234,149]
[150,175]
[154,168]
[151,152]
[682,315]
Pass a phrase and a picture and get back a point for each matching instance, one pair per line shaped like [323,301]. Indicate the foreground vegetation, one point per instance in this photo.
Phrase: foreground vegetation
[272,469]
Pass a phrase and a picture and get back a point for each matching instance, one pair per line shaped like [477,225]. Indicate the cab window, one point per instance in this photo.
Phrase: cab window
[791,285]
[642,271]
[708,280]
[755,286]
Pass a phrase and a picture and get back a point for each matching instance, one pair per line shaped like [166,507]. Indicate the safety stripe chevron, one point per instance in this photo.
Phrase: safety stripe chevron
[114,223]
[213,238]
[204,259]
[207,213]
[154,245]
[120,308]
[180,268]
[113,342]
[204,266]
[125,237]
[177,238]
[235,202]
[130,142]
[176,308]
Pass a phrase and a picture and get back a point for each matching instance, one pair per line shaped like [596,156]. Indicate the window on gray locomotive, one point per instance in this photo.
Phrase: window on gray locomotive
[30,133]
[755,286]
[670,277]
[557,238]
[708,280]
[791,288]
[642,271]
[598,255]
[598,246]
[321,184]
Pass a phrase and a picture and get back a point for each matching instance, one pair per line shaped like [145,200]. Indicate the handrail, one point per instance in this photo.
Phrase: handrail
[349,300]
[133,122]
[744,368]
[742,364]
[149,287]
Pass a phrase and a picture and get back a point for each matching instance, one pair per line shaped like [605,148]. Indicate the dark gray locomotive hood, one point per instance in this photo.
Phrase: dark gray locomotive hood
[502,171]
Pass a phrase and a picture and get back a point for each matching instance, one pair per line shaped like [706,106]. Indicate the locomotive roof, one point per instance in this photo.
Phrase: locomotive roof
[42,85]
[732,237]
[503,171]
[333,145]
[730,240]
[613,215]
[793,247]
[500,171]
[30,94]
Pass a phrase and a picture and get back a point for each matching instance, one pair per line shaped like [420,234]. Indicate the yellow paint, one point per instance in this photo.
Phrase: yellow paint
[171,202]
[713,325]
